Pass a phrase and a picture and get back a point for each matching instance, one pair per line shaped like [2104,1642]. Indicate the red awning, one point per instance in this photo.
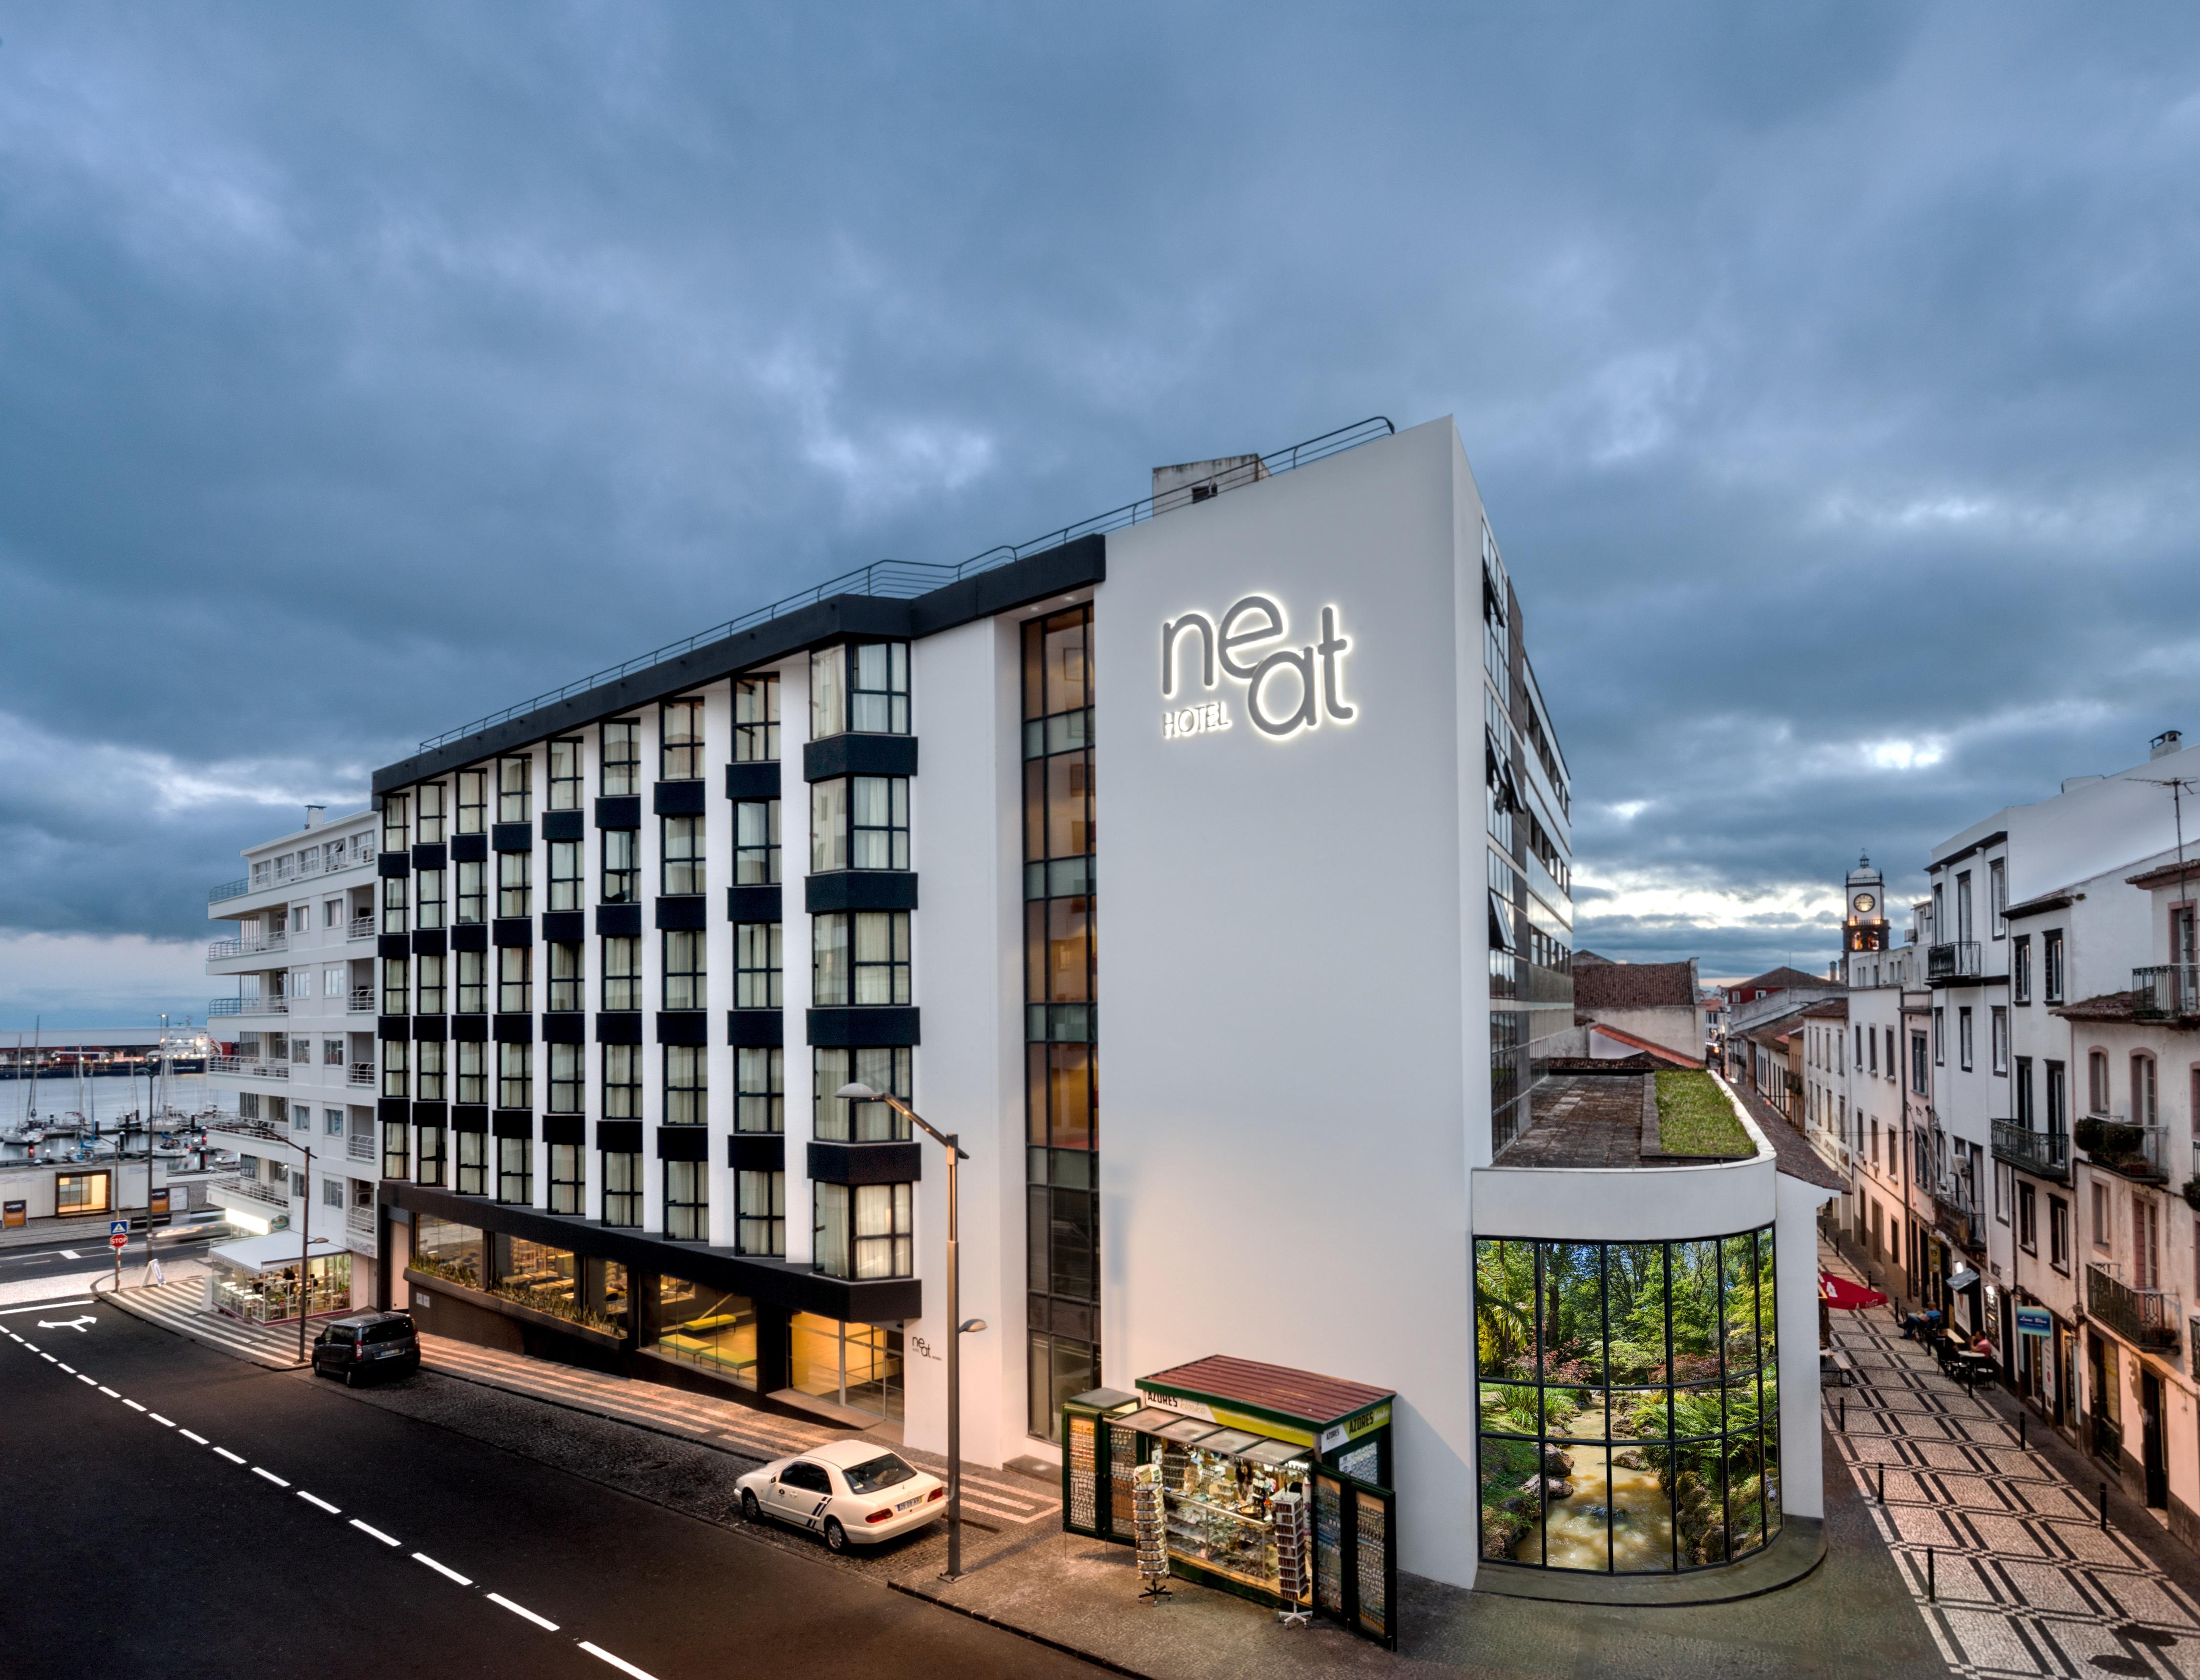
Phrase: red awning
[1839,1292]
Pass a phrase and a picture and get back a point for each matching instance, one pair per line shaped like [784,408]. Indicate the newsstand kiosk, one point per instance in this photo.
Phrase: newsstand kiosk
[1231,1436]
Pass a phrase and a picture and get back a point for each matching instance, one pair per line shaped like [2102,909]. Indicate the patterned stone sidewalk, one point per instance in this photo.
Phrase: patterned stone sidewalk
[2022,1579]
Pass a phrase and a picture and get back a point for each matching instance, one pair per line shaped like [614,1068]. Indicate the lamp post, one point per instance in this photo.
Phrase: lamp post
[957,1328]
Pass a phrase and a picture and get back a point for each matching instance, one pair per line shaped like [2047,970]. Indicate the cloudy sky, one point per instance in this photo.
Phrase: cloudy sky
[1829,369]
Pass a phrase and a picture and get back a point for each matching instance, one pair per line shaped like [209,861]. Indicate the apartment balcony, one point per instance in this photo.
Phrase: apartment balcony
[261,1137]
[228,890]
[247,1006]
[250,1196]
[360,1075]
[2041,1154]
[249,1067]
[2146,1318]
[238,945]
[2140,1153]
[359,1147]
[1959,960]
[358,1231]
[359,927]
[1956,1211]
[360,1001]
[2166,992]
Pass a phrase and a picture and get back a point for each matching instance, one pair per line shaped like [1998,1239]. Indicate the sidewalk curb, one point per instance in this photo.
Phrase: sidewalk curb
[1063,1646]
[575,1406]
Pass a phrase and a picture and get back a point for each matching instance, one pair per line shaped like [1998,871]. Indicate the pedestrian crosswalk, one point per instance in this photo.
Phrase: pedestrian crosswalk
[181,1307]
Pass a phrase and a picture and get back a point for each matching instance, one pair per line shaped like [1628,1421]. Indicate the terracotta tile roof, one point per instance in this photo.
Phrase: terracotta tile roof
[1833,1009]
[1781,980]
[1645,1047]
[1634,985]
[2111,1007]
[1302,1395]
[2166,876]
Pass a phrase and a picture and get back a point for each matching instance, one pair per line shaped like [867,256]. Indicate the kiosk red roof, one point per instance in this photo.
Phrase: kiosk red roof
[1274,1388]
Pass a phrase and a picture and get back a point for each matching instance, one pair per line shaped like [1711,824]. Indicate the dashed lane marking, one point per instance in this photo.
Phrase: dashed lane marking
[618,1663]
[134,1405]
[373,1533]
[312,1499]
[71,1369]
[442,1568]
[259,1470]
[107,1391]
[187,1435]
[520,1610]
[165,1423]
[81,1378]
[224,1452]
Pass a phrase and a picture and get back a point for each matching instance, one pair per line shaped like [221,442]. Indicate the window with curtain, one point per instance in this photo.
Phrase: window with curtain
[515,790]
[431,795]
[760,1088]
[568,986]
[685,1085]
[623,973]
[761,1225]
[756,843]
[620,773]
[473,801]
[515,1076]
[515,988]
[834,1120]
[759,966]
[566,775]
[680,756]
[756,719]
[515,884]
[687,1201]
[622,878]
[864,1230]
[622,1082]
[686,985]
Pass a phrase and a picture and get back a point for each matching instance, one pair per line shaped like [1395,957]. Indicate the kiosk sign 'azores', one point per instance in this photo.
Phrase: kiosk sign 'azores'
[1286,691]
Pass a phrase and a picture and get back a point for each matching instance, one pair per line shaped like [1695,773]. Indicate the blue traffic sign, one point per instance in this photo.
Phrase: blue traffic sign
[118,1228]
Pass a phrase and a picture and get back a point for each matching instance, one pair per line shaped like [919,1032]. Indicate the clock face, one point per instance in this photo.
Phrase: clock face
[1863,903]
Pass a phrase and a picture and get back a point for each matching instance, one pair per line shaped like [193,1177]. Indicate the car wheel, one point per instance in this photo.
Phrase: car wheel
[749,1508]
[836,1538]
[351,1379]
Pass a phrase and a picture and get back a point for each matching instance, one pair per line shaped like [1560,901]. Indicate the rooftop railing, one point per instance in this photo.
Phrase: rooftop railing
[2166,991]
[905,580]
[2146,1318]
[1958,960]
[236,889]
[2042,1154]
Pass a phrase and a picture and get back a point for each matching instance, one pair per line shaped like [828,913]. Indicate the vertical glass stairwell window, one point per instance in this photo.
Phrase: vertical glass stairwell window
[1061,1003]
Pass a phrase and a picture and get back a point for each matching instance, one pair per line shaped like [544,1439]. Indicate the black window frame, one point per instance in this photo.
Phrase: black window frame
[469,984]
[899,1241]
[684,967]
[565,792]
[431,813]
[473,801]
[515,884]
[868,683]
[515,1077]
[855,981]
[621,1168]
[567,991]
[619,774]
[620,882]
[471,1164]
[431,1065]
[429,902]
[2050,962]
[619,1068]
[567,882]
[621,990]
[470,904]
[757,860]
[759,965]
[396,985]
[687,1101]
[515,1171]
[567,1092]
[839,840]
[681,862]
[756,719]
[760,1230]
[515,982]
[569,1178]
[760,1090]
[833,1121]
[681,760]
[515,788]
[687,1218]
[395,906]
[470,1072]
[2019,969]
[431,981]
[430,1163]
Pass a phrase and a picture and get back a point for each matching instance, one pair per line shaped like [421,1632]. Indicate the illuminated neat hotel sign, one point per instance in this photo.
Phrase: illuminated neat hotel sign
[1286,690]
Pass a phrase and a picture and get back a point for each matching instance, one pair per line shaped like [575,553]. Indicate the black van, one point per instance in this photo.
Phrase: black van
[367,1344]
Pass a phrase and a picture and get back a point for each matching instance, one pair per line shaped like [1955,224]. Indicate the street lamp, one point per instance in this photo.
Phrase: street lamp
[958,1327]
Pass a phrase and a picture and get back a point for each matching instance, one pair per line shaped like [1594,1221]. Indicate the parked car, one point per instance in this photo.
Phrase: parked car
[367,1344]
[854,1493]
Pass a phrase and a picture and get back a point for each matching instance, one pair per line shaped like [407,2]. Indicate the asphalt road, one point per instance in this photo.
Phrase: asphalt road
[18,1264]
[127,1546]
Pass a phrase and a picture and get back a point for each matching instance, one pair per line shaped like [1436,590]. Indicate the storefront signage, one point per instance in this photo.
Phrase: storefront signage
[1353,1428]
[1287,690]
[2035,1322]
[1223,1415]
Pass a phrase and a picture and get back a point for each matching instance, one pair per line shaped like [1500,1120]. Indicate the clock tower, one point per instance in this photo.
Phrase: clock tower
[1864,927]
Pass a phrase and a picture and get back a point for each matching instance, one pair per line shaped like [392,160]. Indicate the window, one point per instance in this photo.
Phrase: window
[864,1230]
[2101,1231]
[2020,968]
[859,822]
[515,989]
[1920,1076]
[2147,1242]
[2058,1099]
[392,904]
[332,914]
[473,893]
[622,1186]
[396,823]
[622,768]
[758,977]
[428,890]
[1963,907]
[515,884]
[515,1076]
[567,1078]
[428,1165]
[514,790]
[432,997]
[515,1167]
[756,719]
[685,982]
[332,1052]
[2020,1094]
[860,957]
[332,1192]
[2027,1234]
[1997,896]
[686,1077]
[1871,1042]
[430,794]
[566,775]
[2058,1233]
[1998,1019]
[1890,1054]
[835,1121]
[2050,960]
[568,1176]
[431,1057]
[396,975]
[473,1163]
[565,886]
[683,855]
[760,1227]
[2145,1107]
[568,988]
[622,1082]
[396,1149]
[862,689]
[760,1088]
[473,801]
[687,1201]
[680,756]
[1859,1045]
[622,866]
[394,1082]
[1939,1038]
[472,1058]
[623,973]
[756,843]
[2097,1082]
[473,983]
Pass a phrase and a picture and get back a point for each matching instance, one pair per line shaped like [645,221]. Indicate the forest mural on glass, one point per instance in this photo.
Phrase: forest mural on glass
[1629,1395]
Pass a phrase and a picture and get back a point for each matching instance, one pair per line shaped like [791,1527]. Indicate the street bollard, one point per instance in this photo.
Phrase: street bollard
[1931,1588]
[1882,1485]
[1843,1425]
[2104,1507]
[2022,1445]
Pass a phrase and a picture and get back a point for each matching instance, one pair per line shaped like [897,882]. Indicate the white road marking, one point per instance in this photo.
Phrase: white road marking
[187,1435]
[324,1505]
[71,1254]
[76,1324]
[107,1391]
[46,1306]
[271,1476]
[133,1405]
[50,1359]
[441,1568]
[224,1452]
[522,1610]
[376,1532]
[618,1663]
[81,1378]
[71,1369]
[165,1423]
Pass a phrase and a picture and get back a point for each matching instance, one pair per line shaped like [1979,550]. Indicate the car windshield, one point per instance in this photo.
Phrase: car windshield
[390,1330]
[873,1473]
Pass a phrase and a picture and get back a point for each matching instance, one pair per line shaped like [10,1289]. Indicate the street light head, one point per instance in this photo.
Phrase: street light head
[971,1326]
[857,1092]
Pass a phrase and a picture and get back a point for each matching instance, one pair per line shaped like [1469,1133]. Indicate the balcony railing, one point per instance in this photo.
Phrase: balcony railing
[2166,992]
[329,858]
[267,1195]
[2139,1152]
[2146,1318]
[360,1073]
[358,1148]
[228,890]
[2042,1154]
[240,946]
[361,927]
[247,1005]
[361,1001]
[1956,961]
[250,1066]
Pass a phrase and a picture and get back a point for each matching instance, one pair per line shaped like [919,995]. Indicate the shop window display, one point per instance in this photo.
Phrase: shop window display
[1630,1402]
[707,1328]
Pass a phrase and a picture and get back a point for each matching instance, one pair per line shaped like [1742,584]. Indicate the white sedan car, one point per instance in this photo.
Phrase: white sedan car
[855,1493]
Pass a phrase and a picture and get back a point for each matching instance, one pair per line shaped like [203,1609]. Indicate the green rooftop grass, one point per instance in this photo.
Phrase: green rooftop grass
[1695,1118]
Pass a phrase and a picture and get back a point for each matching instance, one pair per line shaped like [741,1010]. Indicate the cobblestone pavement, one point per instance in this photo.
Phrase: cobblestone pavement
[2005,1559]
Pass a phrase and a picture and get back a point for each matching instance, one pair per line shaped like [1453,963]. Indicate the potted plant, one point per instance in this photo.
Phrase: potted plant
[2086,1133]
[2192,1192]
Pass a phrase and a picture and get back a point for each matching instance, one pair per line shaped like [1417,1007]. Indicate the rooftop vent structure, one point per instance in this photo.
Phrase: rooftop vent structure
[2161,746]
[1193,481]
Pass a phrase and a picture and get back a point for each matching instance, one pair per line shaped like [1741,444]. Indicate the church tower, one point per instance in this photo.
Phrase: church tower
[1866,926]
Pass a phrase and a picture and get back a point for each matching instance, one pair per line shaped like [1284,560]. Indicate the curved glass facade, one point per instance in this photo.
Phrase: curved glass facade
[1629,1395]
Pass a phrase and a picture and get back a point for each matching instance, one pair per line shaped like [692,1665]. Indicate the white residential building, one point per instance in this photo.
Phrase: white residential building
[297,1032]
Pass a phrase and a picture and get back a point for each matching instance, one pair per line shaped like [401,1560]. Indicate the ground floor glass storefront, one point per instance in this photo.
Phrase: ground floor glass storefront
[270,1296]
[1628,1398]
[707,1328]
[858,1366]
[591,1293]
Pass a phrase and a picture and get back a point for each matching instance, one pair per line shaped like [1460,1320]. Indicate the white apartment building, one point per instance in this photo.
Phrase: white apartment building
[296,1031]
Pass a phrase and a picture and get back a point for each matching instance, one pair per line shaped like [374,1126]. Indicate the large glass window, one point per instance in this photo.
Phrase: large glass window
[565,1081]
[515,1076]
[396,985]
[860,957]
[568,986]
[515,979]
[622,1084]
[685,1092]
[621,774]
[515,1169]
[683,871]
[565,886]
[760,1088]
[759,966]
[686,985]
[859,822]
[706,1328]
[431,1057]
[756,843]
[680,758]
[472,1058]
[863,689]
[566,775]
[473,1162]
[761,1228]
[428,1158]
[621,883]
[756,719]
[515,884]
[395,1078]
[393,897]
[834,1120]
[622,1188]
[431,795]
[473,893]
[445,1249]
[473,801]
[396,822]
[864,1230]
[1630,1402]
[623,973]
[687,1200]
[473,982]
[514,790]
[853,1365]
[428,911]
